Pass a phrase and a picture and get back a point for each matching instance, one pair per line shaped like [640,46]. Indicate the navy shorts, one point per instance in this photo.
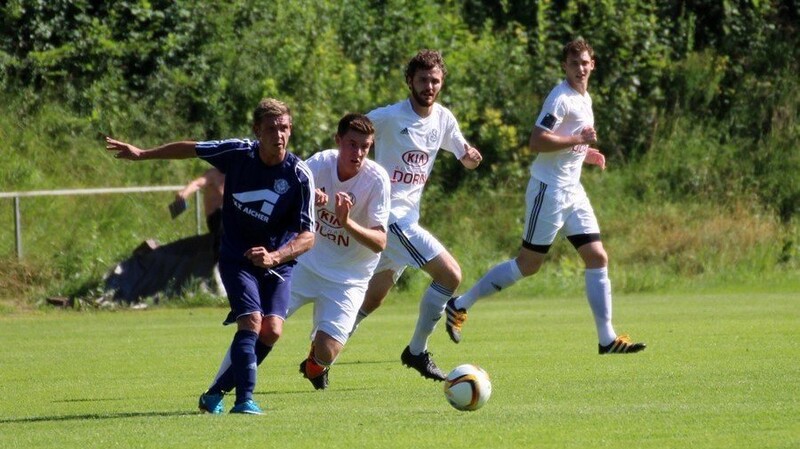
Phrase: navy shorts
[252,289]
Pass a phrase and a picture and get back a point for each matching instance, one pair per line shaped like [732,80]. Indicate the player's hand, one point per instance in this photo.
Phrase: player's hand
[595,157]
[588,135]
[343,205]
[472,157]
[260,257]
[320,197]
[124,150]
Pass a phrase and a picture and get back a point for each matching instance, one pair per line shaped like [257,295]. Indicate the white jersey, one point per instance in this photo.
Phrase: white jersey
[406,146]
[565,113]
[336,255]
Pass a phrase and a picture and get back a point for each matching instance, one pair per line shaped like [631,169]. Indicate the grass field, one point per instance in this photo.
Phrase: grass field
[721,371]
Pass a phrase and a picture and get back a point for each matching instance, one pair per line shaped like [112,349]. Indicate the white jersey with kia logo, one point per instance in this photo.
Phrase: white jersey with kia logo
[336,255]
[565,113]
[406,146]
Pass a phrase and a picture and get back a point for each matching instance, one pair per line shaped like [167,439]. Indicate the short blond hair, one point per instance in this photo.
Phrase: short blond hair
[270,107]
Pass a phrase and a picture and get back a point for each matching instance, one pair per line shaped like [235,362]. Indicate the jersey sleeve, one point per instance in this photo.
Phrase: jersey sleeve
[314,162]
[305,218]
[454,140]
[377,116]
[220,153]
[381,201]
[553,112]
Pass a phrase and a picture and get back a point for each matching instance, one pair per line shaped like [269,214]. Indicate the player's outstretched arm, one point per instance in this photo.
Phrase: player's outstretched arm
[174,150]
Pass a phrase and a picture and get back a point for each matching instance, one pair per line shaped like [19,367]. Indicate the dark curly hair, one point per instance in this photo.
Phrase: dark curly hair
[425,60]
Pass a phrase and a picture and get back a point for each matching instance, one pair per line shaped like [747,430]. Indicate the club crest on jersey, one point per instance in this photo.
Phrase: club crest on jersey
[281,186]
[256,203]
[433,135]
[415,158]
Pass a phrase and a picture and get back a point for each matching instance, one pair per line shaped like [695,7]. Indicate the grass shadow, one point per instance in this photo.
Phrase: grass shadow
[96,416]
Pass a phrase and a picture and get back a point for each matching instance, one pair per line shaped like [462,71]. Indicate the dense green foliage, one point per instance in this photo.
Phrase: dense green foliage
[698,102]
[131,379]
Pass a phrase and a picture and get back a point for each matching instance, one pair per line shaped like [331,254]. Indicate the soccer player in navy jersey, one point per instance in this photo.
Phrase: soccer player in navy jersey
[268,222]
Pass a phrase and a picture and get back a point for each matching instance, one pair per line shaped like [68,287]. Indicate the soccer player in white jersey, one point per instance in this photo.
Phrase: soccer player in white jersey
[352,199]
[555,199]
[409,135]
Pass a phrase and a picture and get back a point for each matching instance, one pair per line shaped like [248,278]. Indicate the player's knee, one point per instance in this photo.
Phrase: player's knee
[251,322]
[271,331]
[452,277]
[594,255]
[529,267]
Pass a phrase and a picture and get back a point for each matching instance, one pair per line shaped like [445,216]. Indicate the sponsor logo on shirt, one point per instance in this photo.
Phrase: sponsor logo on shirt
[415,158]
[409,178]
[582,148]
[256,203]
[329,227]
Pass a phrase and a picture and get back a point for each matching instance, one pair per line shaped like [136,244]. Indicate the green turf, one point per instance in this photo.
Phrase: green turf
[721,371]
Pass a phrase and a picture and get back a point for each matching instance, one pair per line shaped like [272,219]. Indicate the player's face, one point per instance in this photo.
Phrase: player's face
[353,150]
[578,69]
[274,132]
[425,86]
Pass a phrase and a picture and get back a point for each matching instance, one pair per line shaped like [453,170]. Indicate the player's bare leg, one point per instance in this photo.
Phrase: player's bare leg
[323,353]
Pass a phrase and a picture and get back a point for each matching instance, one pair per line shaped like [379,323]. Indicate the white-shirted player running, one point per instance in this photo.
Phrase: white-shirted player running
[555,199]
[409,134]
[352,199]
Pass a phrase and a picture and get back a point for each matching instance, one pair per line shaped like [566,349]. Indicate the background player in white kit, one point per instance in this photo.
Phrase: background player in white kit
[352,199]
[408,137]
[556,199]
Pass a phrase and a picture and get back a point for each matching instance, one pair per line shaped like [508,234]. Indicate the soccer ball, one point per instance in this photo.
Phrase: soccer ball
[467,387]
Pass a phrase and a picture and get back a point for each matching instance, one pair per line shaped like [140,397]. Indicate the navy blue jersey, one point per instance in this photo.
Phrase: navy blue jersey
[262,205]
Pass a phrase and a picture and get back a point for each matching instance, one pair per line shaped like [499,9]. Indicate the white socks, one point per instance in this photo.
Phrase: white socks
[431,309]
[598,292]
[503,275]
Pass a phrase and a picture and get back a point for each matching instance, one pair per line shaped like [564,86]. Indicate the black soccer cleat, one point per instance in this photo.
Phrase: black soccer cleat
[423,363]
[320,382]
[621,345]
[455,319]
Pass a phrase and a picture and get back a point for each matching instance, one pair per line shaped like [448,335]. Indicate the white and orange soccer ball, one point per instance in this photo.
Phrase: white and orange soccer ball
[467,387]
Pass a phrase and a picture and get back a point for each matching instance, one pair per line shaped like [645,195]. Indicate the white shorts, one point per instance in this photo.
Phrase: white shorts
[335,305]
[408,244]
[549,209]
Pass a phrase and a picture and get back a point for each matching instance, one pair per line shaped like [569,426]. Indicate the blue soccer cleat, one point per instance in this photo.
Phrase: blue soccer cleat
[211,403]
[248,407]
